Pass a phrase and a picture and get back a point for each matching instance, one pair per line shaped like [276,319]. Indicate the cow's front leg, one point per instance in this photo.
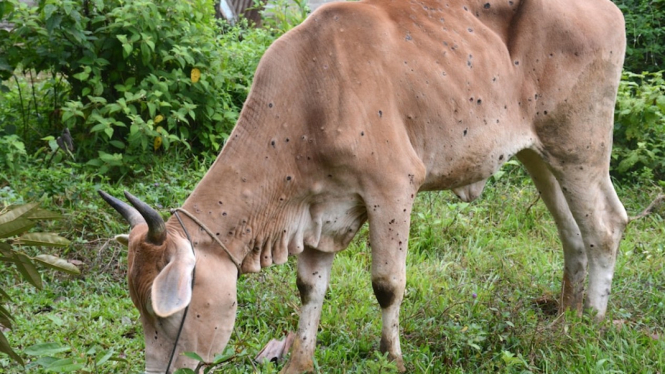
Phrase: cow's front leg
[313,277]
[389,232]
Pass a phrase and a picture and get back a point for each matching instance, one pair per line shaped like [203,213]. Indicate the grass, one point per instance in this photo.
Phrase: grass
[483,279]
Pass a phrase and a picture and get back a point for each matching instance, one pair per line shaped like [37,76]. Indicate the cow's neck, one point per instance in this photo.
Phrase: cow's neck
[247,198]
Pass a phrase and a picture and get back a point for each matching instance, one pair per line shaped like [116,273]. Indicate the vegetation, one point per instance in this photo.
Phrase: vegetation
[645,30]
[639,128]
[121,95]
[14,236]
[483,279]
[127,79]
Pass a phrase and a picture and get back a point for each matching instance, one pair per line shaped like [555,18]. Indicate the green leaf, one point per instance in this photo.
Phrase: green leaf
[224,356]
[66,365]
[6,249]
[27,269]
[6,7]
[17,212]
[98,127]
[46,349]
[5,317]
[111,159]
[43,361]
[83,75]
[4,295]
[145,54]
[15,227]
[184,371]
[67,7]
[194,356]
[127,49]
[57,263]
[53,23]
[43,214]
[105,357]
[45,239]
[4,347]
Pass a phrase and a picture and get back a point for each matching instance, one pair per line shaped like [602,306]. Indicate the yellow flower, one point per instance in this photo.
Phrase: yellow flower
[159,118]
[158,142]
[196,75]
[158,139]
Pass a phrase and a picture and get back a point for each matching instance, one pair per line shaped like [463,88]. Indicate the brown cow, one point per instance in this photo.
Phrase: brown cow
[357,110]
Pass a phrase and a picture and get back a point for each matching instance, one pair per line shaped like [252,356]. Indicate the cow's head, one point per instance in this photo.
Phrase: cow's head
[160,265]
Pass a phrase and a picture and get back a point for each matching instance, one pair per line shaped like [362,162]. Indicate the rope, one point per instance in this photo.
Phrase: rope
[206,229]
[233,259]
[184,314]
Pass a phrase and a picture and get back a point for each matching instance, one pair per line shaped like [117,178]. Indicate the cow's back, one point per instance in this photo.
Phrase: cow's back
[457,87]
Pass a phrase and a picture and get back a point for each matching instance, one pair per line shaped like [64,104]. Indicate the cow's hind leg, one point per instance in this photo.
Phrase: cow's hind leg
[590,219]
[602,219]
[575,257]
[313,277]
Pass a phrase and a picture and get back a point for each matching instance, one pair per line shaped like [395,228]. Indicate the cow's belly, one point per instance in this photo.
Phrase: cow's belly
[465,166]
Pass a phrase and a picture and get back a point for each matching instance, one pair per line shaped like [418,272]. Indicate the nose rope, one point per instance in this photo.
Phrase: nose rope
[206,229]
[189,238]
[184,314]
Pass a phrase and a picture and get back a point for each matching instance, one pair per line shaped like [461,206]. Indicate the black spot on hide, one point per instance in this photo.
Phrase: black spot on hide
[384,294]
[304,289]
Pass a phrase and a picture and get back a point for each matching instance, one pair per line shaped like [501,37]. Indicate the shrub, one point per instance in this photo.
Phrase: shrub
[639,128]
[141,75]
[645,31]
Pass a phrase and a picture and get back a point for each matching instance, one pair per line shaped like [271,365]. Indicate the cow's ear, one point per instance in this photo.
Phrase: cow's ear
[172,289]
[122,239]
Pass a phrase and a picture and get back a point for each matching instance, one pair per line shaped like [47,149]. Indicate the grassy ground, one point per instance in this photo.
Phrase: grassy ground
[483,280]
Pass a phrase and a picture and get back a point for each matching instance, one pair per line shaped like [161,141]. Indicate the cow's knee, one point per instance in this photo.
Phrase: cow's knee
[386,291]
[305,288]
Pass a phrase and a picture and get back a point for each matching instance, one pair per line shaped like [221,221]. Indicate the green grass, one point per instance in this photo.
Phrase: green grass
[502,248]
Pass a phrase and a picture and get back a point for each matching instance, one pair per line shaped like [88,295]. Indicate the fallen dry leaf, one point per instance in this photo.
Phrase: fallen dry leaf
[275,350]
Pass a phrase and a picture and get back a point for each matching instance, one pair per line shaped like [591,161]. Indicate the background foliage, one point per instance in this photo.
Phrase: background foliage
[128,79]
[639,128]
[645,31]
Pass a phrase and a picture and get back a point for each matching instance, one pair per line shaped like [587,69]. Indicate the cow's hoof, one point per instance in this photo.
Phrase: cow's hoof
[399,363]
[298,367]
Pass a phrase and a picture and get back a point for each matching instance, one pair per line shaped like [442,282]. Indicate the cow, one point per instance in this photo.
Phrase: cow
[354,112]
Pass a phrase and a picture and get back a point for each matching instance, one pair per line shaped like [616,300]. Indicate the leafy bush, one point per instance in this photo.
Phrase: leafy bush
[645,30]
[639,128]
[14,226]
[141,75]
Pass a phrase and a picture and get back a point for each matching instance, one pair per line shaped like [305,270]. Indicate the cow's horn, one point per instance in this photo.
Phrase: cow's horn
[156,226]
[127,211]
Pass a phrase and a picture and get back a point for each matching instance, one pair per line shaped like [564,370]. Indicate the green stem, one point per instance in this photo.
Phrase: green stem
[20,96]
